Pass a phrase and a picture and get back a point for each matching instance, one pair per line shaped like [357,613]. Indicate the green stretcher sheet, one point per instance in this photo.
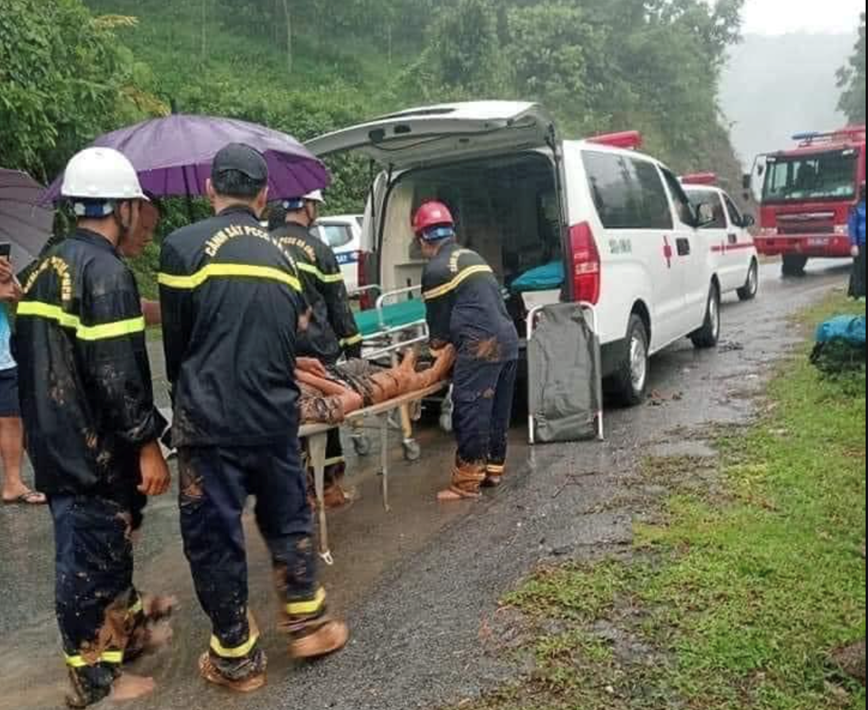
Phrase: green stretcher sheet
[398,315]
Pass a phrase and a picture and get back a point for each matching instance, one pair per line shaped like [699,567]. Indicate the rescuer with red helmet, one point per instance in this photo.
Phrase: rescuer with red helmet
[466,309]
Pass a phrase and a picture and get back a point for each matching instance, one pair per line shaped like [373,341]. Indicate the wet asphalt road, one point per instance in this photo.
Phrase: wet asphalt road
[419,585]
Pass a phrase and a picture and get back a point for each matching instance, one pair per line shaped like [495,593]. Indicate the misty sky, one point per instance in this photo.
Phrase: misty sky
[782,16]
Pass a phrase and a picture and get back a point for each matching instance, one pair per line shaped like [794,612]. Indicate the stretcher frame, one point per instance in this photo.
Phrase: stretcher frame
[532,318]
[418,331]
[316,436]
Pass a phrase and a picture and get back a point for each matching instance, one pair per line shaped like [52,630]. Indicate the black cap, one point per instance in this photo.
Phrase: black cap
[238,157]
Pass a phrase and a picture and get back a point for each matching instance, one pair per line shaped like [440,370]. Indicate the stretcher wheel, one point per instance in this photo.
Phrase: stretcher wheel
[362,446]
[412,451]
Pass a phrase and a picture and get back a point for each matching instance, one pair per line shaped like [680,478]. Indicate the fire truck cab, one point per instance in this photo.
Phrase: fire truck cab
[807,195]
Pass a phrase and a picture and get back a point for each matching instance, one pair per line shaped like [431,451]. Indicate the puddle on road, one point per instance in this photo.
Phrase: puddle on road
[366,542]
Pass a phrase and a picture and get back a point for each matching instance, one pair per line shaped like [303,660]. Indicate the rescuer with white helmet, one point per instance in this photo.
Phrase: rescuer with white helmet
[92,427]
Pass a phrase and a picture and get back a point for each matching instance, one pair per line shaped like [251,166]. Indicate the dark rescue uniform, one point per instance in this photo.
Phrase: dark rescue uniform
[231,301]
[332,331]
[88,409]
[466,308]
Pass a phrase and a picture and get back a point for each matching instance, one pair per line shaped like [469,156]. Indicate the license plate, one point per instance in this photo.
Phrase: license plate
[818,242]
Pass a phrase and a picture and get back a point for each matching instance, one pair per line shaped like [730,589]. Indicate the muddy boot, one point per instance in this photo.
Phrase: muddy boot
[493,476]
[240,676]
[315,637]
[467,479]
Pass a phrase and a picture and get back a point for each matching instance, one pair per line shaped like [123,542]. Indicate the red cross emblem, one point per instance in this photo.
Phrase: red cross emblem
[667,252]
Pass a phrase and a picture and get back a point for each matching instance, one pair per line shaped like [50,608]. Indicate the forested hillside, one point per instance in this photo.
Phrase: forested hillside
[311,66]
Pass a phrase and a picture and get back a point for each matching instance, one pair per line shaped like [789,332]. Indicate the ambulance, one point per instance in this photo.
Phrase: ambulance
[588,221]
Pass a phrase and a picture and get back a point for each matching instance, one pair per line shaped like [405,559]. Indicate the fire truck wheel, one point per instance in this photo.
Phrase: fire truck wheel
[794,265]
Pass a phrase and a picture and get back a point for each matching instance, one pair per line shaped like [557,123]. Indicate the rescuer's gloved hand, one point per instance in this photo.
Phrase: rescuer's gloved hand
[855,251]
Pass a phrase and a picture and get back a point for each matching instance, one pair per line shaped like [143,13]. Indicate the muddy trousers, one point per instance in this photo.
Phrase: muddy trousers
[215,485]
[98,609]
[483,395]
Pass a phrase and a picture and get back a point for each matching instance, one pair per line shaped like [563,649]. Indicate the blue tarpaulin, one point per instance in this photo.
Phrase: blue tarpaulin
[544,278]
[847,329]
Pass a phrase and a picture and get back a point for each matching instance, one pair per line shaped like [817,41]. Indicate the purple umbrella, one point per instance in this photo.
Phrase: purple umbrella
[23,221]
[173,155]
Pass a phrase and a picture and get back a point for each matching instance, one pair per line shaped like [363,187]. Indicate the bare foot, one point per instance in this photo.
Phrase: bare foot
[450,496]
[131,687]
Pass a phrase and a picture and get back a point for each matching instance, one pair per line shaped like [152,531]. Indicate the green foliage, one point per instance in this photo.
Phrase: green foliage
[852,80]
[64,78]
[743,591]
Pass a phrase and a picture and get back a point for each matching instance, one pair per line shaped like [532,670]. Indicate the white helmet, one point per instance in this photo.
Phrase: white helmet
[315,196]
[97,174]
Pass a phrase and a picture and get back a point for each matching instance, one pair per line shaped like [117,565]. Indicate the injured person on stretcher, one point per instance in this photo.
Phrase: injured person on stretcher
[330,394]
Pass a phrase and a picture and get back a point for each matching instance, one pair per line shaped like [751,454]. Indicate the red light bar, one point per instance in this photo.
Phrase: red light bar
[628,140]
[700,179]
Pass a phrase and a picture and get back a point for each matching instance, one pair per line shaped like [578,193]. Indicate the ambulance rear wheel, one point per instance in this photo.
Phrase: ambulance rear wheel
[630,382]
[708,336]
[749,291]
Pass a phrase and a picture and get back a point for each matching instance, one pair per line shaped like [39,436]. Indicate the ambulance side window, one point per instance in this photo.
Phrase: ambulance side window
[735,216]
[656,211]
[628,193]
[682,203]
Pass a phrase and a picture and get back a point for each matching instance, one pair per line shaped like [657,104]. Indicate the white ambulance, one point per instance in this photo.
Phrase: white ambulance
[582,221]
[736,260]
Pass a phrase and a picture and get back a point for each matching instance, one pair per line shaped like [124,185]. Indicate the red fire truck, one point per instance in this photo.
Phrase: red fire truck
[807,195]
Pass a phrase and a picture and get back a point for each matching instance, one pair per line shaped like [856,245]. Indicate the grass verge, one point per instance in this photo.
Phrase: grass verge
[739,599]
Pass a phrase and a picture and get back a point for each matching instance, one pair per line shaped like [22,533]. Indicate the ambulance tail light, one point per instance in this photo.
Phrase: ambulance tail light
[368,297]
[587,267]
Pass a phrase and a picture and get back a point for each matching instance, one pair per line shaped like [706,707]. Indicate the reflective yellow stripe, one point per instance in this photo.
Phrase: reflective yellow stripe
[353,340]
[307,608]
[456,282]
[496,469]
[114,658]
[91,333]
[136,608]
[243,271]
[325,278]
[335,461]
[234,653]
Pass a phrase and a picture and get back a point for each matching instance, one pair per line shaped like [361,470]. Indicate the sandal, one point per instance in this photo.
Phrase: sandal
[30,498]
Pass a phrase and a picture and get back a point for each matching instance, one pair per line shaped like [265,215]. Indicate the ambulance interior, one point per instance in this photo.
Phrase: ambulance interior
[506,209]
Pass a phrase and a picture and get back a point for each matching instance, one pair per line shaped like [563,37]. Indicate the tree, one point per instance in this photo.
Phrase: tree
[851,79]
[64,78]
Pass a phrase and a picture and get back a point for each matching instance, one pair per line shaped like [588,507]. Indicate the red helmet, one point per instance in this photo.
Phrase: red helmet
[430,215]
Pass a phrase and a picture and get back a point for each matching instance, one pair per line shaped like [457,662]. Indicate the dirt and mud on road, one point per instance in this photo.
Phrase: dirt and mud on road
[419,585]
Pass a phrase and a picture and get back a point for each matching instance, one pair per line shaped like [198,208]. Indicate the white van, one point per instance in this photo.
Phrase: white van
[343,233]
[579,221]
[736,260]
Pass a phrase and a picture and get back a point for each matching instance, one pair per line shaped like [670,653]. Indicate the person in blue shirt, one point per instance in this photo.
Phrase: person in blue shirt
[15,492]
[857,237]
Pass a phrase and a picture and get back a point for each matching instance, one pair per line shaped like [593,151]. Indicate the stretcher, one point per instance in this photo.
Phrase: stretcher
[316,436]
[590,313]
